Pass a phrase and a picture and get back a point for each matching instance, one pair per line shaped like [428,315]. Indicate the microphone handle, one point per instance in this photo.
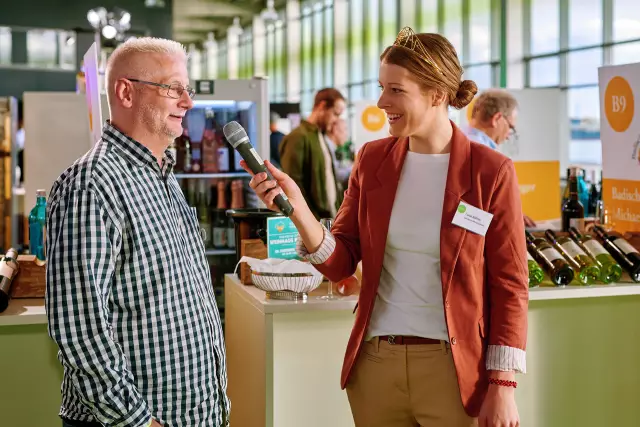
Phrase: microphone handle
[256,164]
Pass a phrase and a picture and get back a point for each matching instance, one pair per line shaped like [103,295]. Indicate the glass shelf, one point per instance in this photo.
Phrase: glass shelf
[212,175]
[220,252]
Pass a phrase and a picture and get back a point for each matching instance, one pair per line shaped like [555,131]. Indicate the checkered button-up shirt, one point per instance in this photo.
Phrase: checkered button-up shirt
[129,296]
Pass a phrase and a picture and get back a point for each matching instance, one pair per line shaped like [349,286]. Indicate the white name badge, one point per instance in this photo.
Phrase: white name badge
[472,219]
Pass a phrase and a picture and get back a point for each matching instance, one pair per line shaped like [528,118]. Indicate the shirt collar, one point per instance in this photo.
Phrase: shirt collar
[131,149]
[479,136]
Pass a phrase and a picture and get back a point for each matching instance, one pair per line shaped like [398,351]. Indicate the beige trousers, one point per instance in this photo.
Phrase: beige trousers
[406,386]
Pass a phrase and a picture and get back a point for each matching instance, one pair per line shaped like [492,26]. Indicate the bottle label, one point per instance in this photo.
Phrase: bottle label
[231,237]
[551,254]
[595,247]
[5,285]
[219,237]
[223,159]
[625,246]
[205,233]
[572,249]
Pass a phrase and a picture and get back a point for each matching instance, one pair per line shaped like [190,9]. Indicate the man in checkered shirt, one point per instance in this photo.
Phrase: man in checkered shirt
[129,296]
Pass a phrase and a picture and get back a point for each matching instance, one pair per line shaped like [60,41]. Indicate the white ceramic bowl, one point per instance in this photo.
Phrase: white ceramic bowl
[294,282]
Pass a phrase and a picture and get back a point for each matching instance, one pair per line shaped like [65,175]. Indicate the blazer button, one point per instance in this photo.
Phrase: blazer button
[453,340]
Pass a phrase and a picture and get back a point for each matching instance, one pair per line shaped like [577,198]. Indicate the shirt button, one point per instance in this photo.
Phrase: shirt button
[453,340]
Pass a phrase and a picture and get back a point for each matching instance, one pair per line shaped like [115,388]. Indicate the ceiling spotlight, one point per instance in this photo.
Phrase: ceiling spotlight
[109,31]
[97,17]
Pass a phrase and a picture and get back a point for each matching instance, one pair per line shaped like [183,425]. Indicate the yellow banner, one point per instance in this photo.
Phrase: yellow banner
[539,189]
[622,204]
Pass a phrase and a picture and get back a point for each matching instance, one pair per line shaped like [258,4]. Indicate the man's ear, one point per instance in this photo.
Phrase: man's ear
[495,119]
[124,92]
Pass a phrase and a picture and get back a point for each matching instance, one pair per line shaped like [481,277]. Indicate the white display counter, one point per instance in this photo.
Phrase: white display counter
[285,357]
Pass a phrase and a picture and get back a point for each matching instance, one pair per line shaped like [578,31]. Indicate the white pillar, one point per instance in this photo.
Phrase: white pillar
[294,37]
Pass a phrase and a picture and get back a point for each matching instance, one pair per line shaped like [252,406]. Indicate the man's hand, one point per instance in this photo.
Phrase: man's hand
[154,423]
[499,407]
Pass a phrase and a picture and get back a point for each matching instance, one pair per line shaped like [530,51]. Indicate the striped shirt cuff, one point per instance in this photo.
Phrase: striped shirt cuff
[323,253]
[503,358]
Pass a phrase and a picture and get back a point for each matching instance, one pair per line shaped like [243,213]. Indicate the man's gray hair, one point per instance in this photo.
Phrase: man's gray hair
[491,102]
[121,58]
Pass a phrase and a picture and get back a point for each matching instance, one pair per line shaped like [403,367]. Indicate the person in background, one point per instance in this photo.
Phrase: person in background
[275,139]
[493,120]
[441,322]
[336,138]
[305,155]
[128,295]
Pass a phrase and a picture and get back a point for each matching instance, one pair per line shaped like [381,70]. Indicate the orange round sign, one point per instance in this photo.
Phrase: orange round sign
[618,104]
[373,119]
[470,108]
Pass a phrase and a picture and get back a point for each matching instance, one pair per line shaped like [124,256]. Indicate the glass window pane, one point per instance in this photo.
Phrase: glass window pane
[356,92]
[356,41]
[583,66]
[389,20]
[5,45]
[628,53]
[480,31]
[67,43]
[328,46]
[626,19]
[428,16]
[481,74]
[544,72]
[42,47]
[545,26]
[585,22]
[318,36]
[584,112]
[373,51]
[271,41]
[279,60]
[453,25]
[307,50]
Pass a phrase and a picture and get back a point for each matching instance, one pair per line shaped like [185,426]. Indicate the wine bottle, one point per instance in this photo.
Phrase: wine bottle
[183,153]
[209,152]
[558,269]
[565,192]
[220,218]
[204,216]
[237,202]
[622,251]
[536,275]
[572,209]
[587,269]
[8,269]
[610,270]
[594,196]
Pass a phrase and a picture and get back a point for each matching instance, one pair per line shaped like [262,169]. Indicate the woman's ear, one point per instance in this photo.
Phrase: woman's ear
[438,97]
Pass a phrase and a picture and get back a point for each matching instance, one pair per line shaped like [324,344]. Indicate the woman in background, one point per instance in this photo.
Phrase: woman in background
[441,321]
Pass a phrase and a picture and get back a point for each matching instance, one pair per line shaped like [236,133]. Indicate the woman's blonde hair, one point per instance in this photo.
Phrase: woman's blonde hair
[433,61]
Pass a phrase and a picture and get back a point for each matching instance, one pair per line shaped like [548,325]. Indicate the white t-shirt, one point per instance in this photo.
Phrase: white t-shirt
[409,300]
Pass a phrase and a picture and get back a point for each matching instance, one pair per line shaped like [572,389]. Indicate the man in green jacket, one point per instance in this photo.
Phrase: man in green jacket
[306,157]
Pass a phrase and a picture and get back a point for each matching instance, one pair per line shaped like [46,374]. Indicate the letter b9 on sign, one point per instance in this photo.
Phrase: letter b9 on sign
[619,106]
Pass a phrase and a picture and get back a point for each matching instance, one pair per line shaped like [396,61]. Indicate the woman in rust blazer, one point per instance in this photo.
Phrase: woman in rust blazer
[458,368]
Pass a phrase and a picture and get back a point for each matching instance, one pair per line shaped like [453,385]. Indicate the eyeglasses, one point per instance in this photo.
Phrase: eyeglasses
[174,90]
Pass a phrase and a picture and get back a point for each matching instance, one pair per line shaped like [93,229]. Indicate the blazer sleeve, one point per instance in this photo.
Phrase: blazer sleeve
[339,253]
[507,276]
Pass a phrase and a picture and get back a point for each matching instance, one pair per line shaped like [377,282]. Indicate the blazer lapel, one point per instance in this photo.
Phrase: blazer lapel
[380,200]
[458,183]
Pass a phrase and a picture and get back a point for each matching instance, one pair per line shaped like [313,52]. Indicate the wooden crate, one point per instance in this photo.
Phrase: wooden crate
[30,282]
[253,248]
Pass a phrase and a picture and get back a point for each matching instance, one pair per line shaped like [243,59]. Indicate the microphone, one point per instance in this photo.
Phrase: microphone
[239,140]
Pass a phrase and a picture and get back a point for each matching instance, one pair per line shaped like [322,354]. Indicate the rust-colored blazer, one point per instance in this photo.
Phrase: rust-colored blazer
[484,279]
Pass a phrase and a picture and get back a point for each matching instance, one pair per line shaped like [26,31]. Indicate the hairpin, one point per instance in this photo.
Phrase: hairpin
[408,39]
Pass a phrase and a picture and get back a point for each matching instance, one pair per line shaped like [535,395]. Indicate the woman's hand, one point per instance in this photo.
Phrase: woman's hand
[499,408]
[268,190]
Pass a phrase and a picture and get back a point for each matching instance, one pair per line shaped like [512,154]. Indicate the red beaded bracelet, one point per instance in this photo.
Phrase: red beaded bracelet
[503,383]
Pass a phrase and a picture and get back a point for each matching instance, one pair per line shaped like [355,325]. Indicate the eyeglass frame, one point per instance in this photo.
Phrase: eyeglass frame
[191,92]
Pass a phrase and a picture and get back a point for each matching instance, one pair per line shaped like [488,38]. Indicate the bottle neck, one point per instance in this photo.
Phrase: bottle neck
[573,188]
[41,201]
[222,202]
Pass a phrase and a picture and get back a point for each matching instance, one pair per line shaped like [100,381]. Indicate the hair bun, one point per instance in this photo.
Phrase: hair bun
[466,91]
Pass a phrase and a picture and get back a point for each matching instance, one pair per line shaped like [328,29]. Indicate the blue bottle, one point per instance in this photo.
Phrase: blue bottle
[37,226]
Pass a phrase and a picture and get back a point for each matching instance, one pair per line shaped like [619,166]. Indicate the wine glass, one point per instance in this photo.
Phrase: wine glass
[327,223]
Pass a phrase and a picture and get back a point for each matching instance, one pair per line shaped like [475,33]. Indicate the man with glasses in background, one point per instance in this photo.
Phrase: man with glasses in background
[493,121]
[129,298]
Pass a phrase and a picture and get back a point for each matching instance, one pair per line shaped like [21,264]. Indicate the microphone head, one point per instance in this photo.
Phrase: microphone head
[235,133]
